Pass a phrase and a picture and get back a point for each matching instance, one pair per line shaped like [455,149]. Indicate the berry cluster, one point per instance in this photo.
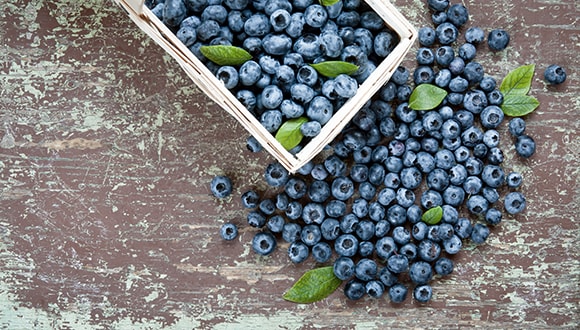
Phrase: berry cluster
[284,37]
[363,206]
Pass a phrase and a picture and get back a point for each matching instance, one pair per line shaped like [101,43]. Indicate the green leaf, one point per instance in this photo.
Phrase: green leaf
[332,69]
[426,97]
[225,55]
[314,285]
[289,134]
[518,81]
[433,215]
[519,105]
[328,2]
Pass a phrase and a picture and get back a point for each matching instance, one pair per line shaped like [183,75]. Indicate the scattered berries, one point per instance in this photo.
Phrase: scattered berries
[555,74]
[221,186]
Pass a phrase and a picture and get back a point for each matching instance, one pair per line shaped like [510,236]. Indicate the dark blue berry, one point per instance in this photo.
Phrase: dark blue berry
[229,231]
[375,289]
[426,36]
[264,243]
[525,146]
[457,14]
[493,216]
[221,186]
[354,289]
[463,228]
[443,266]
[428,250]
[398,293]
[420,272]
[474,35]
[498,39]
[291,232]
[516,126]
[294,210]
[446,33]
[452,245]
[555,74]
[423,293]
[343,268]
[514,202]
[250,199]
[366,269]
[493,175]
[346,245]
[479,233]
[298,252]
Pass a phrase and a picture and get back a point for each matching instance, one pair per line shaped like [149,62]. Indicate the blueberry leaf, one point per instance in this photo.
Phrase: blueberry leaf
[289,134]
[225,55]
[426,97]
[519,105]
[433,215]
[332,69]
[518,81]
[328,2]
[314,285]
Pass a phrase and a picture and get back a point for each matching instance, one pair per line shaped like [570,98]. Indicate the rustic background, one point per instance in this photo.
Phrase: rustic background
[106,219]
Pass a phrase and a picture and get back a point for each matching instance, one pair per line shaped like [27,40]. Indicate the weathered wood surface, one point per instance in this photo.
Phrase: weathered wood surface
[106,220]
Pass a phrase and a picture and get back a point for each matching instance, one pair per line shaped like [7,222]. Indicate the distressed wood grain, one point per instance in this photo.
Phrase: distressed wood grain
[107,222]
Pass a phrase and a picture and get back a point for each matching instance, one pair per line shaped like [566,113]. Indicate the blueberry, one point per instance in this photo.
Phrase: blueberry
[348,223]
[187,35]
[404,92]
[264,243]
[444,159]
[365,230]
[446,33]
[256,219]
[298,252]
[456,66]
[275,224]
[215,12]
[291,109]
[425,163]
[276,175]
[296,188]
[493,175]
[291,232]
[276,44]
[474,35]
[443,78]
[495,156]
[479,233]
[458,85]
[362,156]
[472,185]
[398,263]
[439,17]
[360,207]
[308,45]
[313,213]
[457,14]
[498,39]
[490,194]
[487,84]
[398,293]
[467,52]
[267,206]
[438,5]
[516,126]
[433,233]
[252,144]
[464,118]
[383,43]
[346,245]
[320,109]
[376,212]
[414,214]
[491,116]
[158,10]
[247,98]
[463,228]
[208,30]
[310,234]
[250,199]
[294,210]
[315,16]
[321,252]
[473,72]
[354,289]
[301,93]
[386,196]
[411,178]
[249,74]
[457,174]
[257,25]
[348,18]
[332,44]
[375,288]
[221,186]
[345,86]
[405,197]
[491,138]
[420,272]
[471,136]
[495,97]
[428,250]
[444,55]
[174,11]
[366,269]
[229,231]
[477,204]
[423,75]
[426,36]
[355,55]
[385,247]
[555,74]
[443,266]
[493,216]
[525,146]
[319,191]
[423,293]
[342,188]
[330,229]
[296,25]
[452,245]
[236,4]
[514,179]
[271,120]
[514,202]
[382,227]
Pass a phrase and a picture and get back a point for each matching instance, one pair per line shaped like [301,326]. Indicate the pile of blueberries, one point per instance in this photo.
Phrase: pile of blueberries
[361,207]
[284,37]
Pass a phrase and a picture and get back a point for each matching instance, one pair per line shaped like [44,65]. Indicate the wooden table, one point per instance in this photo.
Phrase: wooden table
[107,221]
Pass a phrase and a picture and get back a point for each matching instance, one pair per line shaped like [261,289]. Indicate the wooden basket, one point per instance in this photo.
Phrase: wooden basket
[215,89]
